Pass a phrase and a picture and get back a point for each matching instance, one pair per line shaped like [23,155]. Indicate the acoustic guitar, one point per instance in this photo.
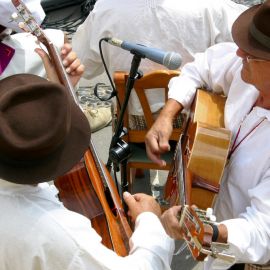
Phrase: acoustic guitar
[88,188]
[201,154]
[196,172]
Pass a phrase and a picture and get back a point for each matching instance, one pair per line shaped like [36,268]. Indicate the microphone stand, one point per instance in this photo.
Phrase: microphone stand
[116,145]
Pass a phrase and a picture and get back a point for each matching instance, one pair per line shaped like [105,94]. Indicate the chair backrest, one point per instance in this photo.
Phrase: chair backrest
[157,80]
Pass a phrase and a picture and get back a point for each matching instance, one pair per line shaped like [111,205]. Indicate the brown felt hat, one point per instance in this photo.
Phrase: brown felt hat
[251,31]
[43,133]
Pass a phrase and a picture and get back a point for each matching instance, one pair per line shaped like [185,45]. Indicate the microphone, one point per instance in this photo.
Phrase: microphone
[171,60]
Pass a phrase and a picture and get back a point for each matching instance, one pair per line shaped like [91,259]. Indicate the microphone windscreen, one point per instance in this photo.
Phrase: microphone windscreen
[172,60]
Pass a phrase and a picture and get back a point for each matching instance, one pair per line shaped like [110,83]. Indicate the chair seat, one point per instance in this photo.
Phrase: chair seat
[138,154]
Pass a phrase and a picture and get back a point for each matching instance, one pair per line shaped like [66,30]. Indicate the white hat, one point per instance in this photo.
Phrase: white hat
[7,9]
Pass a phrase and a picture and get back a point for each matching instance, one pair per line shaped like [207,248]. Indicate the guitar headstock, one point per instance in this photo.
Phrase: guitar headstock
[53,53]
[29,21]
[198,239]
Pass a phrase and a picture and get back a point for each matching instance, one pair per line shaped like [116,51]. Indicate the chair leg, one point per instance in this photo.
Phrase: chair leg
[139,173]
[131,174]
[124,177]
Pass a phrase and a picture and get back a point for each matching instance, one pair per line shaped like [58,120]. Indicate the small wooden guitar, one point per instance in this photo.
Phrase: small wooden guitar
[192,222]
[88,188]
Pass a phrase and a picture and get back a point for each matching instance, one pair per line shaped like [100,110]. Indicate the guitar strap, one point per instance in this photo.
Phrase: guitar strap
[257,267]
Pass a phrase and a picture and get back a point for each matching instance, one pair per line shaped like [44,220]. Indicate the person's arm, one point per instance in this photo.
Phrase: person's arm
[150,247]
[170,222]
[157,138]
[212,70]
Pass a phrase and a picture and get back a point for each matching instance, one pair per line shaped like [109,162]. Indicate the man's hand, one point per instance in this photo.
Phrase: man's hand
[170,222]
[71,63]
[157,138]
[139,203]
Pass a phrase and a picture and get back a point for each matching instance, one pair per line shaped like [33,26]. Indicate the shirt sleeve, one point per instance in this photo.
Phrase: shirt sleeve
[212,70]
[150,248]
[144,230]
[248,235]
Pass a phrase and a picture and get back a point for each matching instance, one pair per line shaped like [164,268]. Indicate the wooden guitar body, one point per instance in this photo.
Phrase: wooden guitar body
[82,190]
[202,154]
[79,196]
[207,148]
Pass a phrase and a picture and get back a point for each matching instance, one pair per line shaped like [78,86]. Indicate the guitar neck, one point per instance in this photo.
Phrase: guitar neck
[60,69]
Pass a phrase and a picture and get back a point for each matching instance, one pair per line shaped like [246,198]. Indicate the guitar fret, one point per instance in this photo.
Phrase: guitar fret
[23,13]
[33,27]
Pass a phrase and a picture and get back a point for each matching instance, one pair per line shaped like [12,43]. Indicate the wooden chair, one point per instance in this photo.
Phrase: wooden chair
[135,138]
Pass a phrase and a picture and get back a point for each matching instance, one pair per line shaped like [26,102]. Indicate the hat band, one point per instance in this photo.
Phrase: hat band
[259,36]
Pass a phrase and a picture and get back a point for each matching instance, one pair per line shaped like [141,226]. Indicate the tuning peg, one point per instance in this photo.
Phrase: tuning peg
[23,26]
[14,17]
[209,212]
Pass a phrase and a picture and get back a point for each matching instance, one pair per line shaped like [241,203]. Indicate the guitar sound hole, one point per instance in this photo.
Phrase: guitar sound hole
[110,201]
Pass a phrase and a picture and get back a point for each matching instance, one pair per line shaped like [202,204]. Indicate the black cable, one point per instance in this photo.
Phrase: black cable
[114,91]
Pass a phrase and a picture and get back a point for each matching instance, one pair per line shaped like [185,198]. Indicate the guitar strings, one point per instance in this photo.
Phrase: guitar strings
[183,246]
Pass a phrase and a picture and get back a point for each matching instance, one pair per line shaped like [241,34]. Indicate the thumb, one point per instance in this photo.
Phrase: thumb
[164,144]
[129,199]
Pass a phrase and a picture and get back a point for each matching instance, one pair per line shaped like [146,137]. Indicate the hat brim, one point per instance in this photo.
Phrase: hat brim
[242,37]
[58,163]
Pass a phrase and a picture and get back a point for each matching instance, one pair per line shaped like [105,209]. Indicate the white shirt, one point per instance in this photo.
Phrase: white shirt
[37,232]
[243,203]
[185,27]
[25,59]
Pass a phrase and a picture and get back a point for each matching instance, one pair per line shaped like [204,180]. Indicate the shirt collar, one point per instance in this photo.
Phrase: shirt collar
[42,190]
[261,112]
